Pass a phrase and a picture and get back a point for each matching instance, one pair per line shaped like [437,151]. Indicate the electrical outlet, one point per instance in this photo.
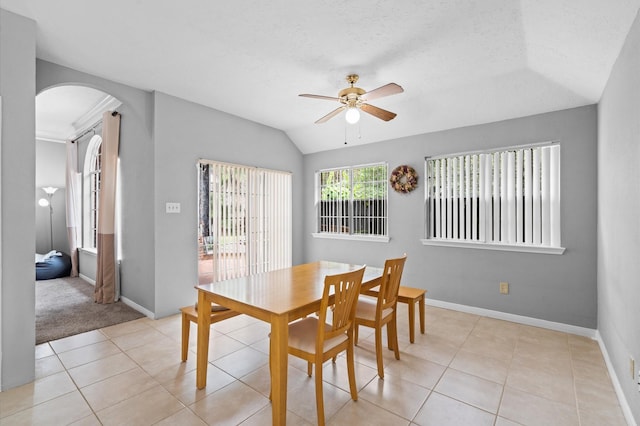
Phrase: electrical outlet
[173,207]
[504,288]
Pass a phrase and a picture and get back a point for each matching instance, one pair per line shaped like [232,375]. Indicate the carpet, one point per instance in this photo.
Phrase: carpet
[65,306]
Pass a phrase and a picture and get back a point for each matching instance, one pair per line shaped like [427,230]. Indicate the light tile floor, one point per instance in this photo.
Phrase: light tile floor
[466,370]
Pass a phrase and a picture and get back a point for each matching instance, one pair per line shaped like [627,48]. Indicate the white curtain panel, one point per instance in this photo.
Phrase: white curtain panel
[73,188]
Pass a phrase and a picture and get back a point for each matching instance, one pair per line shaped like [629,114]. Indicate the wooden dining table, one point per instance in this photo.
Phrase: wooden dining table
[277,297]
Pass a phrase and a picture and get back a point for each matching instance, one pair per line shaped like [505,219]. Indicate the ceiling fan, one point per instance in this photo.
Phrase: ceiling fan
[354,99]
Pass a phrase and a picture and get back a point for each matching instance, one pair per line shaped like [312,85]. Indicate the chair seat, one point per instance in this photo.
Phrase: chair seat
[366,308]
[380,310]
[410,296]
[303,333]
[190,314]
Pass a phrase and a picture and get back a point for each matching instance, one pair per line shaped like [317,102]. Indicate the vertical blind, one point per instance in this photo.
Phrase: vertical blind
[245,219]
[501,197]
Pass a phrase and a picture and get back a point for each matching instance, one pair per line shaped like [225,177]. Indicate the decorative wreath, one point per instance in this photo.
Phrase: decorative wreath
[404,179]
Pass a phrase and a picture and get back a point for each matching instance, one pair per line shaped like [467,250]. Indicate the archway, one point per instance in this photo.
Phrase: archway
[63,113]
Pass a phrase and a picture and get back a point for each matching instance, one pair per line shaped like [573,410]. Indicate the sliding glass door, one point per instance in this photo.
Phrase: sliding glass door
[244,220]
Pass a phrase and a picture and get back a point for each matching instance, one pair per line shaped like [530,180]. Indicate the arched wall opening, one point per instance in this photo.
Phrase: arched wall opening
[68,116]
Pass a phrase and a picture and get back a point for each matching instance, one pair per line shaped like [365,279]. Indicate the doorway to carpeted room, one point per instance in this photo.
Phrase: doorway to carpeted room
[65,307]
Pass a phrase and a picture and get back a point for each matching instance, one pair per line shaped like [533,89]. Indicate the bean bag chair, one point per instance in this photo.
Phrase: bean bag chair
[54,264]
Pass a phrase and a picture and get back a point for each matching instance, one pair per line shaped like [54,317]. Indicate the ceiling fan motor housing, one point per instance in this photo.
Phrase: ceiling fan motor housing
[351,96]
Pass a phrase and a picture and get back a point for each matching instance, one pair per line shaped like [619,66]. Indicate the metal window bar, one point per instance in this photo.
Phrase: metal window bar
[352,200]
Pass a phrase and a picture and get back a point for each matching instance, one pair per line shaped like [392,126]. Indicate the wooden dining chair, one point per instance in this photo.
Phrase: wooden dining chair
[316,340]
[379,311]
[190,314]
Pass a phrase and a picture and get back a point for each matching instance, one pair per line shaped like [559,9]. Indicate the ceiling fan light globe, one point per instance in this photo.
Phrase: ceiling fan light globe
[352,115]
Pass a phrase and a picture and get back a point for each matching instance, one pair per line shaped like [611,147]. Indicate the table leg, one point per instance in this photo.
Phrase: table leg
[279,363]
[421,314]
[204,324]
[186,325]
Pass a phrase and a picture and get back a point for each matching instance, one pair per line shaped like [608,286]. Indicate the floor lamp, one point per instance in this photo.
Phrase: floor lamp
[50,190]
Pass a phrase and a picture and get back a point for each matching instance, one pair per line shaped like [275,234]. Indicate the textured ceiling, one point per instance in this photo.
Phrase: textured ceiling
[459,62]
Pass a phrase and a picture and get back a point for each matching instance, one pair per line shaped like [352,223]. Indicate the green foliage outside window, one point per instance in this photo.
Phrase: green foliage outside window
[369,182]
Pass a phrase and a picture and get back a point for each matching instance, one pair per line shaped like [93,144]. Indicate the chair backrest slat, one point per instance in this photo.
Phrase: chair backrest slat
[343,298]
[390,284]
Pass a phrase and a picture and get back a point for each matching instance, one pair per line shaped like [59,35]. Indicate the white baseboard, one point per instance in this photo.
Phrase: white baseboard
[535,322]
[124,300]
[87,279]
[626,409]
[137,307]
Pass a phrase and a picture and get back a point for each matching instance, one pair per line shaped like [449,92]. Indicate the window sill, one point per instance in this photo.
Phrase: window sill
[371,238]
[489,246]
[88,250]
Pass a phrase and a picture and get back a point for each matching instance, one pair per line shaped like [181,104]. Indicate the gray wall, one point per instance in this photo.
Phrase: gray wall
[185,132]
[559,288]
[618,213]
[136,162]
[161,138]
[51,158]
[17,168]
[88,263]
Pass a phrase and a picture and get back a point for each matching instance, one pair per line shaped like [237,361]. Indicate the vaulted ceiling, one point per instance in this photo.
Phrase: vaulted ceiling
[460,62]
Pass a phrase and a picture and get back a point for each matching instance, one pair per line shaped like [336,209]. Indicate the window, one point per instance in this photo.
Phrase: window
[506,199]
[245,217]
[352,202]
[91,190]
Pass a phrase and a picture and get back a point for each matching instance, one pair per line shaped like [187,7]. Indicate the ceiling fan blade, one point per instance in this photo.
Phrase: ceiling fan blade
[380,113]
[386,90]
[329,98]
[331,115]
